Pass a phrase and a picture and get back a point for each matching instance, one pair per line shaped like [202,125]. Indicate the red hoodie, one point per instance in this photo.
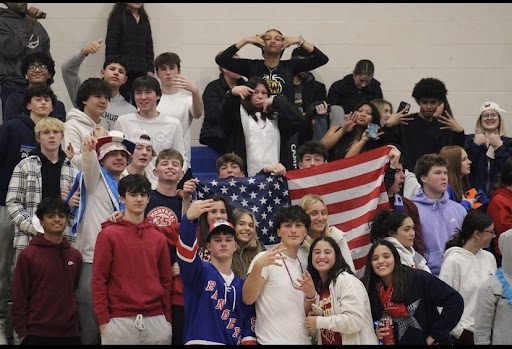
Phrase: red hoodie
[131,273]
[43,289]
[500,210]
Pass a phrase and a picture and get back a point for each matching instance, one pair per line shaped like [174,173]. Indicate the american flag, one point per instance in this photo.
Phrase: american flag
[353,190]
[264,195]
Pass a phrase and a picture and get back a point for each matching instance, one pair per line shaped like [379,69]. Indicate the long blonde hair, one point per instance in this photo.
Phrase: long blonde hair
[248,250]
[305,202]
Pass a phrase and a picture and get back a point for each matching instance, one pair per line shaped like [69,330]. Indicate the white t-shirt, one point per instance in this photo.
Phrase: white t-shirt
[178,106]
[262,142]
[165,132]
[280,307]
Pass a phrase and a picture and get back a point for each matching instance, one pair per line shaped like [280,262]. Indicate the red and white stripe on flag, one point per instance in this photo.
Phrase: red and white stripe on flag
[353,190]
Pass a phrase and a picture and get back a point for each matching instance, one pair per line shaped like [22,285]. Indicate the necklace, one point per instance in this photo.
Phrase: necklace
[504,285]
[294,284]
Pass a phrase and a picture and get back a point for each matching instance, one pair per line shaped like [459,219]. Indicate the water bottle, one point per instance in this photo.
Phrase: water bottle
[387,321]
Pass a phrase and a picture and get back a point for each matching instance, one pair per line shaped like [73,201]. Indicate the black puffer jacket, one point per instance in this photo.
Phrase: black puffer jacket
[132,40]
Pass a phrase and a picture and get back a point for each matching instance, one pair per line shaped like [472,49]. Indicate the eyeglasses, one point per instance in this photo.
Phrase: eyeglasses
[492,232]
[34,67]
[490,116]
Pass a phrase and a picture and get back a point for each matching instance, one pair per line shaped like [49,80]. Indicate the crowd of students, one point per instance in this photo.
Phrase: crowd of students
[103,241]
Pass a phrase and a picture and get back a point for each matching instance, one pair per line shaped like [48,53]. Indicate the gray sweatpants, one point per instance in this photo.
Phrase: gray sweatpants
[6,255]
[138,330]
[89,328]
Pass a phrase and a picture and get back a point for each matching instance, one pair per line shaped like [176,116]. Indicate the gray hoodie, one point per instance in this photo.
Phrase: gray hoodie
[17,40]
[117,105]
[77,126]
[493,313]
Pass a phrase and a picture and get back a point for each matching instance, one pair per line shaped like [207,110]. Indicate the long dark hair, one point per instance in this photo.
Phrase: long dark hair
[474,220]
[341,148]
[246,103]
[122,7]
[340,265]
[402,276]
[203,218]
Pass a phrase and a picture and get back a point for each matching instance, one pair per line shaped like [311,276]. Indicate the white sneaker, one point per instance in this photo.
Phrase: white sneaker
[3,338]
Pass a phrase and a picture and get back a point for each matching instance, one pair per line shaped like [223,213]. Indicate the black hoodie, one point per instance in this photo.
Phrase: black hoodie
[345,93]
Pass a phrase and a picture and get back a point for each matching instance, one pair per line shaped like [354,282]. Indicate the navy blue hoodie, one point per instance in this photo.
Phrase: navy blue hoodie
[17,139]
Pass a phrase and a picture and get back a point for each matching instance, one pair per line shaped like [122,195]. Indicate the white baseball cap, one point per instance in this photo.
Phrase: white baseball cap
[490,106]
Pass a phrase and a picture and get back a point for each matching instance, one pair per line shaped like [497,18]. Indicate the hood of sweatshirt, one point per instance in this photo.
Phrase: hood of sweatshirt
[459,252]
[40,241]
[131,227]
[505,244]
[502,191]
[436,204]
[76,115]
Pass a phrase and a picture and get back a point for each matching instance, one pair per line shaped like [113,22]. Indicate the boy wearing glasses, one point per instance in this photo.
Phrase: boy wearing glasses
[38,68]
[425,134]
[279,284]
[22,34]
[214,310]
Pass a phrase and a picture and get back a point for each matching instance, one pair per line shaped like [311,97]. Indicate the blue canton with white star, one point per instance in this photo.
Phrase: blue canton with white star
[263,195]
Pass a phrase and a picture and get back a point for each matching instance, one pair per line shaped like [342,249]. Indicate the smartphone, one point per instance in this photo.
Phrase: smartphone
[372,131]
[403,105]
[317,310]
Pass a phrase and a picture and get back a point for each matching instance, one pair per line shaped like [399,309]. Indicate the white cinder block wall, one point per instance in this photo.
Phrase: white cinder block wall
[468,46]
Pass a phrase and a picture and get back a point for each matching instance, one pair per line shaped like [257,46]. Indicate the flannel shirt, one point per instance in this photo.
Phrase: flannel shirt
[25,193]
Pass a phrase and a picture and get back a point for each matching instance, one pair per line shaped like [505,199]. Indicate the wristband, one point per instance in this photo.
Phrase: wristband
[312,298]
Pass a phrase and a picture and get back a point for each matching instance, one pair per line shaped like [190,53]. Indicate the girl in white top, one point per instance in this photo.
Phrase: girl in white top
[342,314]
[315,207]
[466,265]
[398,228]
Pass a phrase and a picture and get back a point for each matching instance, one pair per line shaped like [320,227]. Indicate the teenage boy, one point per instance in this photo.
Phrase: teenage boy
[114,74]
[45,173]
[91,100]
[425,134]
[17,139]
[231,165]
[165,131]
[103,161]
[165,209]
[273,283]
[142,156]
[44,305]
[128,254]
[214,311]
[440,217]
[212,133]
[175,102]
[312,153]
[21,35]
[39,69]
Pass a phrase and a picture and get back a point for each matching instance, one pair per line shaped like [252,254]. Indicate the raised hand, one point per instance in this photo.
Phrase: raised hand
[399,118]
[450,122]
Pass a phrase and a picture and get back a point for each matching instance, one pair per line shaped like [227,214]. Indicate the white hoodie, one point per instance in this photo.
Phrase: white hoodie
[409,256]
[77,126]
[465,272]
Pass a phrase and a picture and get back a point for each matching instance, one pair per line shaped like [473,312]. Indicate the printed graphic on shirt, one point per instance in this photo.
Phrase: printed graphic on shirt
[33,41]
[25,149]
[275,83]
[108,120]
[163,216]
